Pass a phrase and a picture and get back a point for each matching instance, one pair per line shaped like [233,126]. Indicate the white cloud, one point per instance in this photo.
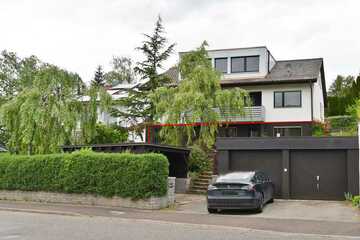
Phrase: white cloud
[78,35]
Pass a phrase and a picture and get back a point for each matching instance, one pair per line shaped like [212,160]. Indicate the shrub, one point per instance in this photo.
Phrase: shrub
[137,176]
[109,134]
[342,125]
[356,201]
[319,129]
[198,160]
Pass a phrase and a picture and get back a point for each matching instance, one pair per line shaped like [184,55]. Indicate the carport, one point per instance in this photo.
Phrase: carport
[321,168]
[177,156]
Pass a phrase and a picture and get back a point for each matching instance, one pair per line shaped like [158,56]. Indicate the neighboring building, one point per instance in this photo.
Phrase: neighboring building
[3,149]
[118,92]
[288,95]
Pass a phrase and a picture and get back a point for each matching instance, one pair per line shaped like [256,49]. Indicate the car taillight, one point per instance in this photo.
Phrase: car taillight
[250,188]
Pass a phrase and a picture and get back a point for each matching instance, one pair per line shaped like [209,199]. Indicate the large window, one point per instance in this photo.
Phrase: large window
[245,64]
[221,64]
[288,131]
[228,132]
[287,99]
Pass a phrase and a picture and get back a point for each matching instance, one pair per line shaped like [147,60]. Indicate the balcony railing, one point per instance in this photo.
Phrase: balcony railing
[250,114]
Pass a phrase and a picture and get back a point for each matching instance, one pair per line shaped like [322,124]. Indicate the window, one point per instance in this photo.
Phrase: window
[288,131]
[287,99]
[252,64]
[221,64]
[245,64]
[237,64]
[228,132]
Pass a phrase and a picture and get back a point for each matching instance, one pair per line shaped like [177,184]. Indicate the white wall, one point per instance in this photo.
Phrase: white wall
[318,100]
[272,114]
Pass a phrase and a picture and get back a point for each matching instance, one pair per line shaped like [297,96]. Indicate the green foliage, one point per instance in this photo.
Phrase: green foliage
[139,106]
[356,201]
[198,98]
[318,130]
[45,114]
[198,160]
[342,125]
[122,71]
[137,176]
[109,134]
[343,93]
[99,78]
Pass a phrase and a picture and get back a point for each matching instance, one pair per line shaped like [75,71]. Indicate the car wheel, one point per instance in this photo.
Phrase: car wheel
[212,210]
[261,205]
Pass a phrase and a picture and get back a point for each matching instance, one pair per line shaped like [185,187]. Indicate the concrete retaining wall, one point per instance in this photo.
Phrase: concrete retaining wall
[152,203]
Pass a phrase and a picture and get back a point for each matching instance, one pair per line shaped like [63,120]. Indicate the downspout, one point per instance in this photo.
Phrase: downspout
[268,61]
[312,102]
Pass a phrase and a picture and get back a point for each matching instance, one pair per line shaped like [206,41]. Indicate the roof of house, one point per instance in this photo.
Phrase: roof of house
[173,74]
[284,71]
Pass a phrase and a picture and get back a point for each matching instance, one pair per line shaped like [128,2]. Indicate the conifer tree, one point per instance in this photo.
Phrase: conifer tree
[99,79]
[155,48]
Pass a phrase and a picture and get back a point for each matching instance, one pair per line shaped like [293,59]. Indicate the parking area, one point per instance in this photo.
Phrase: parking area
[337,211]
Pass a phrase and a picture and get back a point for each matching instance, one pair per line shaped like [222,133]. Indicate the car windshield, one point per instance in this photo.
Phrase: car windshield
[236,177]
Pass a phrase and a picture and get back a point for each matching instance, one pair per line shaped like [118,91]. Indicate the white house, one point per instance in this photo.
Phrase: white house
[288,95]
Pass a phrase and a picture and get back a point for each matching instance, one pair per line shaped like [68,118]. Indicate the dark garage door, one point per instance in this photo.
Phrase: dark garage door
[318,174]
[267,161]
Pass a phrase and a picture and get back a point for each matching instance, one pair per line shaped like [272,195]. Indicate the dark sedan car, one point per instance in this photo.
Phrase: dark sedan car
[240,190]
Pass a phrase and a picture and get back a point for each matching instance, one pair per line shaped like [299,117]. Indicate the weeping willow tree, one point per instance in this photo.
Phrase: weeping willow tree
[193,110]
[48,114]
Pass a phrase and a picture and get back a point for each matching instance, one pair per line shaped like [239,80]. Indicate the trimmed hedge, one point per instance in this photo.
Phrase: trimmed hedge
[137,176]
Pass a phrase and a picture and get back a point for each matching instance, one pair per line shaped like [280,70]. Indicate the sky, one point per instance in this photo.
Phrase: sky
[79,35]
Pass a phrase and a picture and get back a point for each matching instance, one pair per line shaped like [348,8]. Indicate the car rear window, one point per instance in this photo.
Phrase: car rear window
[236,177]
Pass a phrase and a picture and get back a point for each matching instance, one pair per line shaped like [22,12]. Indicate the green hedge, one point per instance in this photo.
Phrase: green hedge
[137,176]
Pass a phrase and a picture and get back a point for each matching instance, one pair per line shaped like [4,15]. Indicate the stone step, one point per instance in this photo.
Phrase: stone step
[202,180]
[205,174]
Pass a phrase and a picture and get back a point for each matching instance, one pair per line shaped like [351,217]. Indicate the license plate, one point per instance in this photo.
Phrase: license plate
[231,193]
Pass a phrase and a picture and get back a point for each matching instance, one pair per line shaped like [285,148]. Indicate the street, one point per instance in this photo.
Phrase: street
[36,226]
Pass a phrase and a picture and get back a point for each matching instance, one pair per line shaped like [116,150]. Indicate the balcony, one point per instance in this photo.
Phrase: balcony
[250,114]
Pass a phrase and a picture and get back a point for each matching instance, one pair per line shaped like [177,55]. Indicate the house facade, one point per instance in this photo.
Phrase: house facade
[288,96]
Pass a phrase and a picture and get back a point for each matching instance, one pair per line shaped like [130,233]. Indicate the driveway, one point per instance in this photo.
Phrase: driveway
[338,211]
[293,218]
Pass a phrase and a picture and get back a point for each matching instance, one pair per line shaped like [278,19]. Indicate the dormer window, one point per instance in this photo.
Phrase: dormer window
[245,64]
[221,64]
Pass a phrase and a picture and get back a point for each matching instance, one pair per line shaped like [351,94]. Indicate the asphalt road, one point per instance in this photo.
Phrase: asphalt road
[36,226]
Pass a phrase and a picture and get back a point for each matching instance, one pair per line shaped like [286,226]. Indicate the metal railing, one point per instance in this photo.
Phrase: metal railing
[250,114]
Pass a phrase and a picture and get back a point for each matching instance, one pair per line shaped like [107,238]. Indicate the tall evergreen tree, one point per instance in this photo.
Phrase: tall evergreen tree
[155,48]
[99,79]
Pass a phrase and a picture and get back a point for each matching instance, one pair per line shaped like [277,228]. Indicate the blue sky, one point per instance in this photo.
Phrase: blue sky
[79,35]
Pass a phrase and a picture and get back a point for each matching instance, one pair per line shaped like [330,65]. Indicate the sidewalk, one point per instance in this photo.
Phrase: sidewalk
[237,221]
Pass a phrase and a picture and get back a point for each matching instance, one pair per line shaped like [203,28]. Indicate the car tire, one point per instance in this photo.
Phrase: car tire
[212,210]
[261,205]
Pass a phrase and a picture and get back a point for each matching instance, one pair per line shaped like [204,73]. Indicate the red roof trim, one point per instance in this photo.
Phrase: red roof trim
[224,123]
